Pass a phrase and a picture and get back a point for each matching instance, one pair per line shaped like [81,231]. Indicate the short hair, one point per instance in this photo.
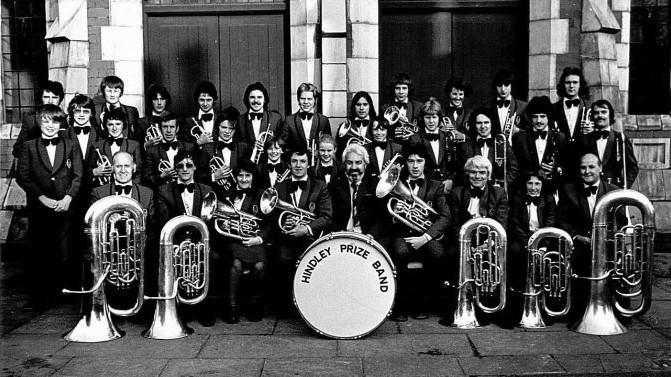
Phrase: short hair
[540,105]
[256,86]
[489,113]
[307,87]
[207,88]
[568,71]
[402,78]
[80,101]
[457,83]
[381,122]
[299,152]
[183,154]
[51,112]
[352,107]
[155,89]
[113,82]
[356,149]
[419,150]
[168,117]
[250,167]
[503,77]
[605,103]
[326,138]
[478,162]
[54,87]
[431,107]
[598,160]
[272,140]
[230,113]
[114,114]
[528,175]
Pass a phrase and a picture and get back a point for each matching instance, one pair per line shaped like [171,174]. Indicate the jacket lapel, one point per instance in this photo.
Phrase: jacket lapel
[135,193]
[44,155]
[178,199]
[306,193]
[582,199]
[301,130]
[197,200]
[484,202]
[608,151]
[60,155]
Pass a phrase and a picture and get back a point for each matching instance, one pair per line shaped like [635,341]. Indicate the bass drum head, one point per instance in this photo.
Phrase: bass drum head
[344,286]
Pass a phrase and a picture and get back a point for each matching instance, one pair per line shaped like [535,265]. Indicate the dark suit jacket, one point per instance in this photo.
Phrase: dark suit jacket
[518,231]
[264,175]
[461,123]
[573,209]
[169,202]
[611,166]
[373,169]
[239,152]
[295,134]
[431,192]
[562,122]
[340,196]
[271,121]
[470,148]
[30,129]
[524,146]
[336,171]
[89,159]
[518,107]
[315,195]
[153,156]
[131,130]
[36,176]
[143,195]
[437,167]
[493,204]
[131,146]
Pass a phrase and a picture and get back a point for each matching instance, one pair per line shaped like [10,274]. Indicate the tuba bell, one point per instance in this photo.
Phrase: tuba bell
[115,227]
[548,276]
[621,264]
[290,217]
[228,221]
[482,270]
[355,137]
[183,276]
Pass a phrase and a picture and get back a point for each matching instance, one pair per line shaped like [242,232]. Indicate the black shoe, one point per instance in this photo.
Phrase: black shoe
[206,320]
[231,315]
[420,315]
[35,306]
[446,321]
[398,317]
[254,313]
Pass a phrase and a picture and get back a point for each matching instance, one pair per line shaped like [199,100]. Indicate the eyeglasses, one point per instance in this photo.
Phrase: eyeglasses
[187,165]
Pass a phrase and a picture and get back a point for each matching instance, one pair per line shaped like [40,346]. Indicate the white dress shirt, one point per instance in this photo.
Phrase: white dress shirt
[571,114]
[379,155]
[83,140]
[591,198]
[601,144]
[435,145]
[541,144]
[533,217]
[307,127]
[503,112]
[187,199]
[350,222]
[209,125]
[256,126]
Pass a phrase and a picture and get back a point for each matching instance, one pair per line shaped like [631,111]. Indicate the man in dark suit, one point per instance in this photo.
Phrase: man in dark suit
[52,93]
[456,90]
[115,123]
[205,120]
[506,106]
[381,150]
[258,118]
[159,101]
[50,172]
[607,144]
[304,127]
[165,151]
[571,107]
[111,88]
[359,121]
[403,88]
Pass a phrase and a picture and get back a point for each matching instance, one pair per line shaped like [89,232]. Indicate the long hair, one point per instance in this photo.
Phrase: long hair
[430,107]
[489,113]
[352,107]
[153,91]
[583,92]
[256,86]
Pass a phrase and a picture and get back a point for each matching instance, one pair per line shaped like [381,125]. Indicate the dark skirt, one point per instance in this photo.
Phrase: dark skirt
[248,254]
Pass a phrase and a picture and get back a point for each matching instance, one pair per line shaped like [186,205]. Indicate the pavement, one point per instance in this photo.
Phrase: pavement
[31,345]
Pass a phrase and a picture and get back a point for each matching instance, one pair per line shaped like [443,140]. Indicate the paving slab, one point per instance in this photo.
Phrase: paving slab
[507,365]
[294,326]
[263,346]
[407,345]
[422,365]
[313,367]
[660,357]
[32,366]
[48,324]
[627,363]
[117,367]
[263,327]
[538,343]
[136,346]
[659,314]
[24,346]
[213,367]
[580,363]
[638,341]
[665,331]
[659,294]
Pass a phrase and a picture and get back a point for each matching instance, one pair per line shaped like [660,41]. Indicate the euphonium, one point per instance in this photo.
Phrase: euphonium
[104,162]
[548,283]
[482,270]
[403,205]
[355,136]
[393,115]
[621,264]
[258,151]
[115,227]
[228,221]
[153,132]
[501,160]
[197,129]
[228,181]
[183,276]
[291,215]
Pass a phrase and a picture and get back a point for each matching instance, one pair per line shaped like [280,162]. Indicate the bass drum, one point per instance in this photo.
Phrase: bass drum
[344,286]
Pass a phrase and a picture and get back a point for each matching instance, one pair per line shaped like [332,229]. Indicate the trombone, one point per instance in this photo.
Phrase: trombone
[103,161]
[354,135]
[258,151]
[500,159]
[228,181]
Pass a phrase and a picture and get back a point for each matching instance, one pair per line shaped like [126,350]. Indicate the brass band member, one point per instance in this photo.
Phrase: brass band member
[359,119]
[456,89]
[52,93]
[81,113]
[571,107]
[327,168]
[123,168]
[505,104]
[206,119]
[157,109]
[381,150]
[608,144]
[304,127]
[403,88]
[272,167]
[111,88]
[350,191]
[165,151]
[427,248]
[258,118]
[114,123]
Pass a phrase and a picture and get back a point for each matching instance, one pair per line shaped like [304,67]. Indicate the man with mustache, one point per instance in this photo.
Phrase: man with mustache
[258,118]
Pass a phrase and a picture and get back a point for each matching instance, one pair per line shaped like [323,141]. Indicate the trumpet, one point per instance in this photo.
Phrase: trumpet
[228,221]
[548,276]
[452,138]
[313,153]
[153,133]
[291,215]
[482,270]
[354,135]
[403,205]
[586,125]
[197,129]
[282,177]
[258,151]
[183,276]
[103,161]
[228,181]
[549,163]
[404,128]
[500,160]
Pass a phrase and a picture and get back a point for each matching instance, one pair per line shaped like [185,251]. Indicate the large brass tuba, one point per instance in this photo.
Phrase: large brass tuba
[228,221]
[482,270]
[548,284]
[403,205]
[183,276]
[291,215]
[115,226]
[621,264]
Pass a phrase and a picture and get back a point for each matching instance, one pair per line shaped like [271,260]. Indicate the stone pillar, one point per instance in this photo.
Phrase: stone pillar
[622,11]
[363,53]
[548,36]
[305,62]
[334,60]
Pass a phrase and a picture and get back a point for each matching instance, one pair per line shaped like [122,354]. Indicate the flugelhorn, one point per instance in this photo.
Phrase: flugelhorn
[355,137]
[291,215]
[621,264]
[228,181]
[548,279]
[482,270]
[500,159]
[115,228]
[403,127]
[258,151]
[153,133]
[183,276]
[228,221]
[403,205]
[103,161]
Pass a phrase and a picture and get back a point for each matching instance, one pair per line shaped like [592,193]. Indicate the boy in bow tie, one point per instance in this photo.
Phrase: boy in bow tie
[111,87]
[115,122]
[304,127]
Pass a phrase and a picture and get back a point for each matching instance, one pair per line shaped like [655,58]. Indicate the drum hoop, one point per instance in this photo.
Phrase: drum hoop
[359,236]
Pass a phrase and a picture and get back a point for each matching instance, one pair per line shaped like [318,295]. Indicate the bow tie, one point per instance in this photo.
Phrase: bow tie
[122,189]
[485,140]
[295,185]
[85,130]
[361,123]
[305,115]
[324,170]
[458,110]
[591,190]
[502,103]
[401,105]
[477,192]
[539,134]
[117,141]
[272,167]
[602,134]
[419,182]
[207,117]
[227,145]
[188,187]
[572,102]
[432,136]
[532,199]
[380,144]
[256,116]
[54,141]
[170,145]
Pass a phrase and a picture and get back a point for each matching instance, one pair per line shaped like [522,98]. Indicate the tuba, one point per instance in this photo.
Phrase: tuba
[104,162]
[548,276]
[482,270]
[403,205]
[501,160]
[228,181]
[393,115]
[183,276]
[291,215]
[257,152]
[621,264]
[228,221]
[115,226]
[355,136]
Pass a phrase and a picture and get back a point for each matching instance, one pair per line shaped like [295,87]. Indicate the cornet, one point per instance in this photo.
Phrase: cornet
[586,125]
[228,221]
[103,161]
[228,181]
[164,165]
[500,159]
[153,133]
[404,128]
[355,137]
[258,151]
[282,177]
[197,129]
[291,215]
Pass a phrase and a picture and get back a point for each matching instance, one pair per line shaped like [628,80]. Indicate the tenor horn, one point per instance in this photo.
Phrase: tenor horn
[355,137]
[548,282]
[115,228]
[482,270]
[393,115]
[290,217]
[228,221]
[621,264]
[183,276]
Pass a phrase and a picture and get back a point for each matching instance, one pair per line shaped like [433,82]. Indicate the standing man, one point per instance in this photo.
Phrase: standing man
[258,118]
[206,119]
[112,90]
[403,88]
[52,94]
[304,127]
[456,90]
[114,123]
[571,107]
[506,106]
[165,151]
